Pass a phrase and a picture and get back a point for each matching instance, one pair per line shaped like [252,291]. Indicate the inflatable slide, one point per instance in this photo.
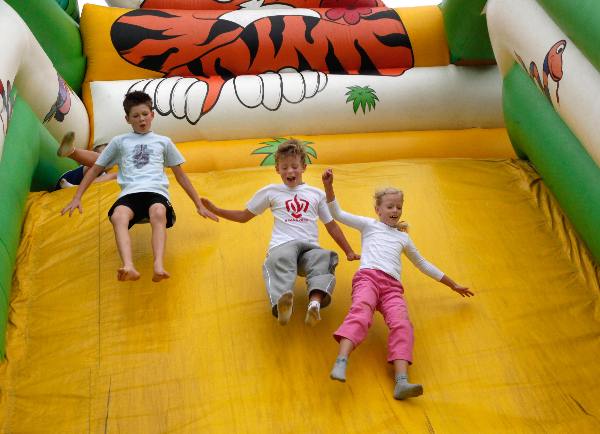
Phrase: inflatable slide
[483,113]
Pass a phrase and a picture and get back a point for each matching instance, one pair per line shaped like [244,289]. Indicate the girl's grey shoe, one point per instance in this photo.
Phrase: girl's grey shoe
[404,389]
[339,369]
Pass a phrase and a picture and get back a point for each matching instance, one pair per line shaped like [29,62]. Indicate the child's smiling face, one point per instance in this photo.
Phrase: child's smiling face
[390,208]
[291,168]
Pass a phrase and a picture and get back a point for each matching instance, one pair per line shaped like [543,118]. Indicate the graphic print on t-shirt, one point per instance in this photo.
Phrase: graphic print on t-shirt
[296,207]
[141,156]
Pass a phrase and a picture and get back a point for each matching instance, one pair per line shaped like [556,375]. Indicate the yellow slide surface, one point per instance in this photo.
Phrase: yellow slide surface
[201,353]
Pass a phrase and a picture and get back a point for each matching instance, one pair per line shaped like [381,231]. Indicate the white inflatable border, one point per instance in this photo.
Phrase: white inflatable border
[309,103]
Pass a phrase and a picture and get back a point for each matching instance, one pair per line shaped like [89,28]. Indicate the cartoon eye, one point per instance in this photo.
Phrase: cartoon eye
[560,48]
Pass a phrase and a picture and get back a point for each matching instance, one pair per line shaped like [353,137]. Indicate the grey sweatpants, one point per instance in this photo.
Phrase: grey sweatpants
[293,258]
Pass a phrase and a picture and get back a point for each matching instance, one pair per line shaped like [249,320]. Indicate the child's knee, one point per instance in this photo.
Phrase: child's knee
[121,215]
[157,213]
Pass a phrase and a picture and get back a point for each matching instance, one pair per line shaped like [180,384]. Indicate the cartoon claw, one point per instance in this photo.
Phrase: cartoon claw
[294,87]
[196,96]
[271,88]
[179,96]
[249,90]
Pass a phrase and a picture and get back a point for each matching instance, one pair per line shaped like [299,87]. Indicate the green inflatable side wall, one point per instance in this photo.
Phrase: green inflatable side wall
[29,161]
[466,30]
[27,144]
[580,21]
[537,130]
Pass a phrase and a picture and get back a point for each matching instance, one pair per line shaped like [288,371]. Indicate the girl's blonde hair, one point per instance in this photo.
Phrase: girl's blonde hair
[378,197]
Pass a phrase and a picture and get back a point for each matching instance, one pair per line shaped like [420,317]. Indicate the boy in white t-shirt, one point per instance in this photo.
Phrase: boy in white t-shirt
[294,247]
[142,157]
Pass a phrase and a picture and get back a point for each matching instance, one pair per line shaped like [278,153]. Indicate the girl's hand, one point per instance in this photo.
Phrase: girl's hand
[352,256]
[72,206]
[327,177]
[462,290]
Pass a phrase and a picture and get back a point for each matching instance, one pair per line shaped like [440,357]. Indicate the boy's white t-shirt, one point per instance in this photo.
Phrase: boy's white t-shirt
[295,211]
[142,159]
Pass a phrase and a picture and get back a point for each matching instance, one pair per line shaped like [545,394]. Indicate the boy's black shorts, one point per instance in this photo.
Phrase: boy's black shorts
[140,204]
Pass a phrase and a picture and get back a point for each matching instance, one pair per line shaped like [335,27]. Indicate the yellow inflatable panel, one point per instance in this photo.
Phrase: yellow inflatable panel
[205,156]
[425,26]
[200,353]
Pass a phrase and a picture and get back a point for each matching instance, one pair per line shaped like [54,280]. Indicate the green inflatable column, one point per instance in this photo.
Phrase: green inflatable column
[568,170]
[466,31]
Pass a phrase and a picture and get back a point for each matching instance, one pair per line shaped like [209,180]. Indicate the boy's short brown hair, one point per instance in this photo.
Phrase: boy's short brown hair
[291,147]
[134,98]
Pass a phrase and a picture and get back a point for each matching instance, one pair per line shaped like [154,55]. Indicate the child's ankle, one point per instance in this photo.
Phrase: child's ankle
[402,378]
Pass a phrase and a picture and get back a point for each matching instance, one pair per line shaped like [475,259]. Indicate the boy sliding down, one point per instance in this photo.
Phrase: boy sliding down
[141,156]
[294,247]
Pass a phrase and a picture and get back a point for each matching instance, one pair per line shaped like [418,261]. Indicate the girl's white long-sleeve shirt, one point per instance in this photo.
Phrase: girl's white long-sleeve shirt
[382,245]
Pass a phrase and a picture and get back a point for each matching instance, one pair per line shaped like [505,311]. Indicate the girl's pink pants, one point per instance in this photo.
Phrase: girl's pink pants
[375,290]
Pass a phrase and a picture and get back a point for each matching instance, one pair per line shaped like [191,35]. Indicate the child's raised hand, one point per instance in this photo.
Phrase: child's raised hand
[72,206]
[352,256]
[327,177]
[462,290]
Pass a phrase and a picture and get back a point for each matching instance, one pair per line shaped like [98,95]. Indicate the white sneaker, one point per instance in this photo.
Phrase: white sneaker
[284,308]
[313,314]
[65,184]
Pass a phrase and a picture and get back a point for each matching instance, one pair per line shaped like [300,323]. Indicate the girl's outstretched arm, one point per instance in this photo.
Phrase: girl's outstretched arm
[338,236]
[354,221]
[462,290]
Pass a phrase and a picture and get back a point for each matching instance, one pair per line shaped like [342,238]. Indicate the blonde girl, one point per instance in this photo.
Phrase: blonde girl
[376,285]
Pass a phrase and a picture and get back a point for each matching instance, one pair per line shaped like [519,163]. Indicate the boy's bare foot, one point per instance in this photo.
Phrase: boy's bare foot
[284,308]
[66,147]
[126,273]
[160,275]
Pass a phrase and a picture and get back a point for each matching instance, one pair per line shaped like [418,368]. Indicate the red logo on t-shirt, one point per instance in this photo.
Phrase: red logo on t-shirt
[296,206]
